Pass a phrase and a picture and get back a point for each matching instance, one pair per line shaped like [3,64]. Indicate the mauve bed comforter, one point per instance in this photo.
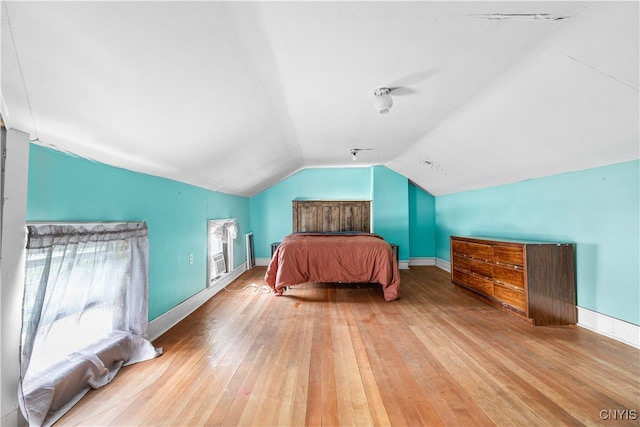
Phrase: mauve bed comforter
[334,258]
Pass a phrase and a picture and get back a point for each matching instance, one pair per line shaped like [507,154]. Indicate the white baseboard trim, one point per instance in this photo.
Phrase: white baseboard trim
[422,261]
[611,327]
[403,265]
[263,262]
[166,321]
[444,265]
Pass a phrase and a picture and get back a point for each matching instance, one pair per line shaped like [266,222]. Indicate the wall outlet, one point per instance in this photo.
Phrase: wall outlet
[190,258]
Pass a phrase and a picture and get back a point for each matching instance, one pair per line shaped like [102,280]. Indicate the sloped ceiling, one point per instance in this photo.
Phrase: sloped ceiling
[236,96]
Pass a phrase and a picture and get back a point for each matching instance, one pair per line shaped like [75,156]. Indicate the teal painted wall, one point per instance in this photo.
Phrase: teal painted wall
[68,188]
[271,212]
[390,208]
[596,209]
[422,223]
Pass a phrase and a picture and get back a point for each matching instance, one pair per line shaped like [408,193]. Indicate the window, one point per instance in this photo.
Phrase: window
[222,232]
[84,312]
[77,314]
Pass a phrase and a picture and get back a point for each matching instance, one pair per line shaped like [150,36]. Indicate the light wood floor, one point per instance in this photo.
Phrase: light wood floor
[327,355]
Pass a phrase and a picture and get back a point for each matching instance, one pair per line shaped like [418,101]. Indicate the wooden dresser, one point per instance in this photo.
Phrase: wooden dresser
[533,279]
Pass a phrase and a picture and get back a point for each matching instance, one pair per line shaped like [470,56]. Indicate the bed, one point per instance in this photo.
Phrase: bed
[334,257]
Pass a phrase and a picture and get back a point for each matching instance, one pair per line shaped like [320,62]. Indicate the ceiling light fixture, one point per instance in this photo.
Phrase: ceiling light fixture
[383,102]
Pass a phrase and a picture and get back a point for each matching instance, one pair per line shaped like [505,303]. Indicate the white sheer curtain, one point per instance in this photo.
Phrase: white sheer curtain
[84,312]
[224,228]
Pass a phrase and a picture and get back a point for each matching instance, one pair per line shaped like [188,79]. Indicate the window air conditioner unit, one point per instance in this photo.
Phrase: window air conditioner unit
[218,266]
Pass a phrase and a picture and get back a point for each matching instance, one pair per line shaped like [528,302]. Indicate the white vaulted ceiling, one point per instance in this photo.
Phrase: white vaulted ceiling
[235,96]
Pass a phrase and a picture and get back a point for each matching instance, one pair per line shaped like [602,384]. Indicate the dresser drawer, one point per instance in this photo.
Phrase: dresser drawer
[508,275]
[459,247]
[460,262]
[508,254]
[513,297]
[470,281]
[480,284]
[479,251]
[459,276]
[480,267]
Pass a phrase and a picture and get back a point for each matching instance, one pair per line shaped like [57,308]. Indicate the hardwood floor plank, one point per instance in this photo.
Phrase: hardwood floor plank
[325,354]
[353,408]
[277,374]
[399,390]
[376,408]
[329,406]
[301,390]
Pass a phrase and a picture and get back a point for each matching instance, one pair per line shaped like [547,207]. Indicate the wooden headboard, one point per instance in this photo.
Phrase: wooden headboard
[331,215]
